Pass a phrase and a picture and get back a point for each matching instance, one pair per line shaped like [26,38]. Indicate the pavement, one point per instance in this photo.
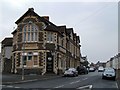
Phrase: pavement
[8,79]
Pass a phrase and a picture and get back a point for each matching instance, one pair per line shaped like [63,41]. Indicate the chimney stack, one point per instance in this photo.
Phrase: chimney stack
[31,9]
[46,17]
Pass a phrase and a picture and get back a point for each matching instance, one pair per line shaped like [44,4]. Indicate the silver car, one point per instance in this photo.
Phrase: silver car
[109,73]
[71,72]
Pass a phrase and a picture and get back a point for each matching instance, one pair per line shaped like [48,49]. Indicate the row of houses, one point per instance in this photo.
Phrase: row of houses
[114,62]
[39,46]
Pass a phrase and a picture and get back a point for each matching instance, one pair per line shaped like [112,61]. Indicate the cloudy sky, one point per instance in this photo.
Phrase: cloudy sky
[95,21]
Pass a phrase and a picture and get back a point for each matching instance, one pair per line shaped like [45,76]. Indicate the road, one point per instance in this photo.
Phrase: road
[89,81]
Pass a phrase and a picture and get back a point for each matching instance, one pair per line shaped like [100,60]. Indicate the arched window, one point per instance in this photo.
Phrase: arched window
[30,33]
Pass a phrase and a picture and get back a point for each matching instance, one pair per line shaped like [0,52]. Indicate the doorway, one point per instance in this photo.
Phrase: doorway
[49,63]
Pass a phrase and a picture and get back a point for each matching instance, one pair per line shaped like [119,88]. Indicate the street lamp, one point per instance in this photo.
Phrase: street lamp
[22,70]
[23,57]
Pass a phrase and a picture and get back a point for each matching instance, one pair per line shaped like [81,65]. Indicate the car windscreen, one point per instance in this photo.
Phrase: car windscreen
[109,71]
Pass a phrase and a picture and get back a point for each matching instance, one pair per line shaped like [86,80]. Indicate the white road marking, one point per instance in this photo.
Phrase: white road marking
[116,85]
[16,87]
[90,86]
[2,85]
[76,77]
[85,78]
[10,86]
[59,86]
[84,87]
[75,82]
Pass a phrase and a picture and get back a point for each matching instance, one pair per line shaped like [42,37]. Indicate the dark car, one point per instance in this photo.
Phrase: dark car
[82,70]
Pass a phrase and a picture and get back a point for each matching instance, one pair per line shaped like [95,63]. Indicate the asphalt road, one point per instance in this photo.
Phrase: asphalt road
[88,82]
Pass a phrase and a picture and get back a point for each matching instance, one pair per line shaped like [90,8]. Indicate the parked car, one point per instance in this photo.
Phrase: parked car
[100,69]
[109,73]
[91,69]
[71,72]
[82,70]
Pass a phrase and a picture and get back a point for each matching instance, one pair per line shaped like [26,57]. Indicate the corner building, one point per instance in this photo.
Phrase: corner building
[42,47]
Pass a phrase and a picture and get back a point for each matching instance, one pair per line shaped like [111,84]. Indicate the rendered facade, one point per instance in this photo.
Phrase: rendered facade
[6,54]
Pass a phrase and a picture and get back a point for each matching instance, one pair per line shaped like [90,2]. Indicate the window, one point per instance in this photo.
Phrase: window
[24,60]
[30,33]
[35,60]
[24,36]
[28,36]
[62,41]
[32,37]
[50,37]
[30,56]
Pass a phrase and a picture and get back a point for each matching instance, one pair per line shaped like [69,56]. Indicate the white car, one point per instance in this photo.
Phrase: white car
[100,69]
[109,73]
[91,69]
[71,72]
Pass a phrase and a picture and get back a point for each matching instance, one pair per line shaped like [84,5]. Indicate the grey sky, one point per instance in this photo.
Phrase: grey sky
[95,22]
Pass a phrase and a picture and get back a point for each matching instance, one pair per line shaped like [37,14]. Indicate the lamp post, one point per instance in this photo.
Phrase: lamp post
[23,57]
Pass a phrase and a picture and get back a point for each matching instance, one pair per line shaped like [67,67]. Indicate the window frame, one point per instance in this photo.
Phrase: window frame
[30,33]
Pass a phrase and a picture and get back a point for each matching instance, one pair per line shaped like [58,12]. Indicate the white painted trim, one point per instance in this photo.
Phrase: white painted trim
[35,66]
[35,53]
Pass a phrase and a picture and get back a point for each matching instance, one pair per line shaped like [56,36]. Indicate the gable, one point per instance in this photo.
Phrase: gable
[31,16]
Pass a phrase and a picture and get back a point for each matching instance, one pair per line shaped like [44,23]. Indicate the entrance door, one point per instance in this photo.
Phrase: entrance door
[49,63]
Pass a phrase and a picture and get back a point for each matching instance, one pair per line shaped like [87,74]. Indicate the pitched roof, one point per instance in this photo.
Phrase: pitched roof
[51,28]
[69,30]
[62,29]
[78,38]
[30,12]
[7,41]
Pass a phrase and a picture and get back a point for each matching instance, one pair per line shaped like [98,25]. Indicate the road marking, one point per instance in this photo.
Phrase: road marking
[85,78]
[27,80]
[116,85]
[59,86]
[76,77]
[10,86]
[85,87]
[16,87]
[75,82]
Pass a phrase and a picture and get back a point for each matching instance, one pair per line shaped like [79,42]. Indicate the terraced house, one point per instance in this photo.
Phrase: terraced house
[42,47]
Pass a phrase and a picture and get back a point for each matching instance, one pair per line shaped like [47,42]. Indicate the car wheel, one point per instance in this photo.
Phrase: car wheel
[103,77]
[74,75]
[114,78]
